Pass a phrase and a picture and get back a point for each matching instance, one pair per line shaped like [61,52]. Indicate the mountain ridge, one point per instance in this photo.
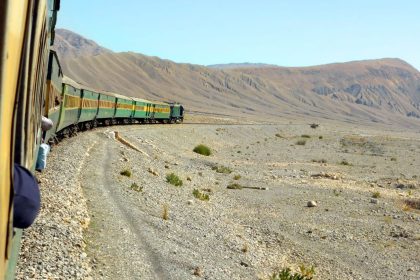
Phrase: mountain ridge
[71,45]
[382,90]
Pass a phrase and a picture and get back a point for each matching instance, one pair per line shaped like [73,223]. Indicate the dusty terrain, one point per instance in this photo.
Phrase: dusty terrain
[360,178]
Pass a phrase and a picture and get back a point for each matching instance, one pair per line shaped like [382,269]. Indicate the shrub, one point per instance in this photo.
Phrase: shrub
[201,196]
[173,180]
[301,142]
[412,204]
[321,137]
[234,186]
[202,150]
[376,195]
[245,248]
[305,136]
[279,135]
[221,169]
[286,274]
[314,125]
[237,177]
[136,187]
[319,160]
[393,159]
[126,172]
[344,162]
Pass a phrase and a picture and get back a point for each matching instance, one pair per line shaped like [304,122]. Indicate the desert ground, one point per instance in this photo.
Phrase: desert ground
[96,223]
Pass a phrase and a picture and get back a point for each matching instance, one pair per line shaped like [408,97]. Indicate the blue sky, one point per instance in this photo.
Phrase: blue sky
[282,32]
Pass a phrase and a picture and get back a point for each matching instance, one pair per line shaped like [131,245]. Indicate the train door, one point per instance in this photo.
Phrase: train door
[171,112]
[147,111]
[82,97]
[152,111]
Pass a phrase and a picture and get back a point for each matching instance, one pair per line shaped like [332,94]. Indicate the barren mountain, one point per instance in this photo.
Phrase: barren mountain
[240,65]
[379,91]
[71,45]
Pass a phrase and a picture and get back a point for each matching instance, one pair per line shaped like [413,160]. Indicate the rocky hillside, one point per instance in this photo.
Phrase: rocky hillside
[384,91]
[71,45]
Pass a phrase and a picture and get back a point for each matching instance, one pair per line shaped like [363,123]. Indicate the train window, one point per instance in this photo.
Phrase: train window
[57,100]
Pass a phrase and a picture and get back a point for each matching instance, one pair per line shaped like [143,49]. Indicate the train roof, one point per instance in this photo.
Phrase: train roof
[120,96]
[69,81]
[149,101]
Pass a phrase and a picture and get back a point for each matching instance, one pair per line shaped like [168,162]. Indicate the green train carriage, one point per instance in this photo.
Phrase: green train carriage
[124,109]
[70,107]
[161,111]
[53,97]
[89,109]
[142,109]
[107,108]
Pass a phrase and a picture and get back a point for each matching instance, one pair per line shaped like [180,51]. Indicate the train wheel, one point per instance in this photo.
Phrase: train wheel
[65,133]
[74,130]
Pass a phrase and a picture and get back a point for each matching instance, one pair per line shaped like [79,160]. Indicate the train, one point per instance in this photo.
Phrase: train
[74,107]
[32,85]
[26,37]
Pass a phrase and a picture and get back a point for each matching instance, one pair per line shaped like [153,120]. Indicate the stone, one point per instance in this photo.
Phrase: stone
[152,171]
[312,203]
[374,201]
[198,271]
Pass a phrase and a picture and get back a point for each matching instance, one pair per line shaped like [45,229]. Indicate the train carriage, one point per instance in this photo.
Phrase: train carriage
[107,108]
[162,111]
[124,108]
[89,108]
[70,106]
[32,84]
[142,109]
[26,33]
[54,88]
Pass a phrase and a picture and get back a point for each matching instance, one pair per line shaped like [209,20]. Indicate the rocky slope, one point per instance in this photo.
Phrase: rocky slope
[385,90]
[70,45]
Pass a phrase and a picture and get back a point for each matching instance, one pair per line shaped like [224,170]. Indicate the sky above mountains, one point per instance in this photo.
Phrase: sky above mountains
[286,33]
